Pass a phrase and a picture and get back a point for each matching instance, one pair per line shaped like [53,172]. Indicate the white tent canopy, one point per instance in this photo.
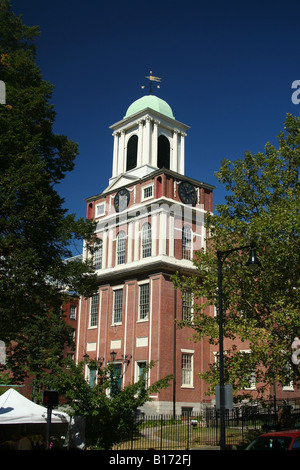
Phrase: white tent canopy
[16,409]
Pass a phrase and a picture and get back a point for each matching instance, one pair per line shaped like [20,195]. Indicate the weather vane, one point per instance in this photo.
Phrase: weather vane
[151,85]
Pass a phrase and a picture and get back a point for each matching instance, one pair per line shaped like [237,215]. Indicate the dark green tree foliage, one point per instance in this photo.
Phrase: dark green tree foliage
[36,232]
[108,412]
[262,308]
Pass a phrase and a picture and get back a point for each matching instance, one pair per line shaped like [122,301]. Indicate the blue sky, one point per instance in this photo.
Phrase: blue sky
[226,68]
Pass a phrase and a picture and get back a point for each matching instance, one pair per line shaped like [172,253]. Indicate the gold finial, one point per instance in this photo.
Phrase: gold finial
[151,79]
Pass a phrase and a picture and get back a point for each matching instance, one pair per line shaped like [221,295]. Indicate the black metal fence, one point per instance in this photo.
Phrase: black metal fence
[162,432]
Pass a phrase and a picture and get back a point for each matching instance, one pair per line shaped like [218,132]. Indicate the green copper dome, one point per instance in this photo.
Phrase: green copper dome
[150,101]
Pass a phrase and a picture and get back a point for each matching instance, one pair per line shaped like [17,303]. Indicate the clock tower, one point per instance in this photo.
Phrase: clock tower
[146,139]
[150,223]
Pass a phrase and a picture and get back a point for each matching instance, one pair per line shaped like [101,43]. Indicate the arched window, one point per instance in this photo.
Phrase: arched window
[121,247]
[146,240]
[163,152]
[98,256]
[186,242]
[132,145]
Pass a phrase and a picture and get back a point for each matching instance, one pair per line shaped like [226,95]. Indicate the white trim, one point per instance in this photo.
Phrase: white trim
[114,289]
[143,188]
[97,209]
[188,352]
[143,283]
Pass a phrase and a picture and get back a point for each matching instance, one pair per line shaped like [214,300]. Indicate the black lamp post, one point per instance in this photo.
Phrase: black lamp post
[252,262]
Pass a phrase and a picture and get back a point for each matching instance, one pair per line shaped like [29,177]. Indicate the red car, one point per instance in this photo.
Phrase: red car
[279,440]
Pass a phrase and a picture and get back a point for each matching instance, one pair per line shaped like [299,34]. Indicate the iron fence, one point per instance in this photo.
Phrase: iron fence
[164,432]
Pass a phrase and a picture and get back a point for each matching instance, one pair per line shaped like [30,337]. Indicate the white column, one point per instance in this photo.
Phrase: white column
[125,334]
[136,241]
[174,161]
[182,151]
[140,143]
[121,153]
[129,242]
[162,233]
[110,248]
[171,235]
[99,324]
[115,154]
[155,143]
[146,149]
[104,249]
[153,235]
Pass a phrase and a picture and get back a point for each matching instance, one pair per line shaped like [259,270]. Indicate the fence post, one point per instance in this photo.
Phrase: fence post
[217,429]
[188,432]
[161,425]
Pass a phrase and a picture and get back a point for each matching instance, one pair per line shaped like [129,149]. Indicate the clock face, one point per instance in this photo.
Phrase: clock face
[121,200]
[187,193]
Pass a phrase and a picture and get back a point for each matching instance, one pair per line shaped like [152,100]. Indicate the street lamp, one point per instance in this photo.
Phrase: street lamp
[113,356]
[252,262]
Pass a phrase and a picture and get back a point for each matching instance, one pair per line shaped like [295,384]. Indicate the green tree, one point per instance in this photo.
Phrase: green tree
[261,206]
[36,232]
[108,412]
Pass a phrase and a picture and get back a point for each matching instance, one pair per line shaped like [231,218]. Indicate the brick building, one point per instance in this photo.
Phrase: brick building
[150,221]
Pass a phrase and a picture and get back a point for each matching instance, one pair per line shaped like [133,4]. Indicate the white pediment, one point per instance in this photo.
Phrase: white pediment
[129,177]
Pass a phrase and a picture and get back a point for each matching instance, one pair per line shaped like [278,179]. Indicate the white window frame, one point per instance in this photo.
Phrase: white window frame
[98,250]
[123,240]
[115,289]
[185,246]
[73,312]
[288,387]
[95,317]
[90,374]
[148,241]
[139,306]
[144,189]
[137,369]
[188,353]
[100,209]
[252,379]
[190,307]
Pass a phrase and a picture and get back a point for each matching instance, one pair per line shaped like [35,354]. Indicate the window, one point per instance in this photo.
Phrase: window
[296,444]
[132,146]
[100,210]
[91,377]
[187,370]
[94,310]
[98,256]
[146,240]
[163,152]
[186,411]
[118,304]
[116,379]
[121,247]
[252,381]
[147,192]
[72,314]
[186,242]
[250,377]
[141,369]
[144,302]
[187,306]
